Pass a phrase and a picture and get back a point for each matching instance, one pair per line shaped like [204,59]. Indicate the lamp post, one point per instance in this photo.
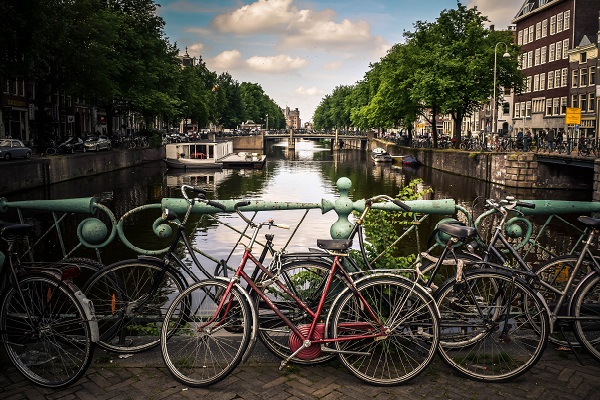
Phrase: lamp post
[494,107]
[267,128]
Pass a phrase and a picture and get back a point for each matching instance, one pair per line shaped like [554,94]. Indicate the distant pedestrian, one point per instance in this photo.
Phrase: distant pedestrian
[527,140]
[550,140]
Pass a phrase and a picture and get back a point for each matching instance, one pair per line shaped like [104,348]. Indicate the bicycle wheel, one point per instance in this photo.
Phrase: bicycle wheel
[494,327]
[306,280]
[410,327]
[131,298]
[207,346]
[45,331]
[87,268]
[555,273]
[586,309]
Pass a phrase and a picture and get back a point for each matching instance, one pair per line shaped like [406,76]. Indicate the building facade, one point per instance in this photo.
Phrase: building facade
[292,118]
[546,31]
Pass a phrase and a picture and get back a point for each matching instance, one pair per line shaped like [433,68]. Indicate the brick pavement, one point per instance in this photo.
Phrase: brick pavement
[558,375]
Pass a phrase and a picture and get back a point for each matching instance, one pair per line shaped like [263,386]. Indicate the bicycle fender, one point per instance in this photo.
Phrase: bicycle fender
[254,334]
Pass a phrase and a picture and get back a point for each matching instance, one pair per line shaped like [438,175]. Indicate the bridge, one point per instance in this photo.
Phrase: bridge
[354,139]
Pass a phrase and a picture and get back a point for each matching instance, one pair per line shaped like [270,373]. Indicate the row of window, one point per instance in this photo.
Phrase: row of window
[556,106]
[584,77]
[556,79]
[558,23]
[555,52]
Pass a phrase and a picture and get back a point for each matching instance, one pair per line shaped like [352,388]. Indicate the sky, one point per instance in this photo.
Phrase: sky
[300,50]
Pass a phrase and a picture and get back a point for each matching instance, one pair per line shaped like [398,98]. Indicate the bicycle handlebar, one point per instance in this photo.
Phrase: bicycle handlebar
[397,202]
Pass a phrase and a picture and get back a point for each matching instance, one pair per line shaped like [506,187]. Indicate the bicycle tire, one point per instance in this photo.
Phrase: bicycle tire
[206,347]
[306,279]
[117,290]
[556,272]
[411,322]
[472,339]
[51,151]
[45,332]
[585,309]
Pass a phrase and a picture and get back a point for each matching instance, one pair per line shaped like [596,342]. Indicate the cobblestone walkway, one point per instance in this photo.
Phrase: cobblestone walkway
[143,376]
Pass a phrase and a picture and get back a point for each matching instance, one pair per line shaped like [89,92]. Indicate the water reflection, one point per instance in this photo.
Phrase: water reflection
[307,174]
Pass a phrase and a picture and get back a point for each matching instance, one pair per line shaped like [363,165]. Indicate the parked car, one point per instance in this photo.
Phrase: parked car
[10,148]
[71,145]
[98,143]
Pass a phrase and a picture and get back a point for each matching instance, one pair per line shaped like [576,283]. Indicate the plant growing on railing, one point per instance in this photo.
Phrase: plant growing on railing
[382,228]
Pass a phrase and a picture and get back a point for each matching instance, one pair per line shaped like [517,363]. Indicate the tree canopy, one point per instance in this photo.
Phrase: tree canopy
[444,67]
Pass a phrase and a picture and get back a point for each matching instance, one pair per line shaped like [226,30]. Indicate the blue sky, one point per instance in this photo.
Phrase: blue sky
[300,50]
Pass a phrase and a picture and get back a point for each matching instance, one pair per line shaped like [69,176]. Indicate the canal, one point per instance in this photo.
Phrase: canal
[307,174]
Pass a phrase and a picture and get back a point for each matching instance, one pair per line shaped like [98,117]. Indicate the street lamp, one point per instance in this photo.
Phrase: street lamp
[267,122]
[494,107]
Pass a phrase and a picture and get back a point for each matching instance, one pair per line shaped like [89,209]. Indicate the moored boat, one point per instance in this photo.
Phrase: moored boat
[380,155]
[202,154]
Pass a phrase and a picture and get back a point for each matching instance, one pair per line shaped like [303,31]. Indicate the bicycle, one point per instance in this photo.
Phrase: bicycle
[132,296]
[494,326]
[47,326]
[383,327]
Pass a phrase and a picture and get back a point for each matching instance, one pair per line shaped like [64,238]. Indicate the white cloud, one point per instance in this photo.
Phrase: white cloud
[333,66]
[500,13]
[275,64]
[300,28]
[228,59]
[312,91]
[195,49]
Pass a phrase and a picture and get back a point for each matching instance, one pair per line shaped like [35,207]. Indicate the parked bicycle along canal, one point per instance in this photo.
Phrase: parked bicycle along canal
[307,174]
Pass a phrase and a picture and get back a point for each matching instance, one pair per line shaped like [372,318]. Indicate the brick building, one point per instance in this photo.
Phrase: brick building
[547,31]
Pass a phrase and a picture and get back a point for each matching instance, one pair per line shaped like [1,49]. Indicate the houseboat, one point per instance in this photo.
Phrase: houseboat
[202,154]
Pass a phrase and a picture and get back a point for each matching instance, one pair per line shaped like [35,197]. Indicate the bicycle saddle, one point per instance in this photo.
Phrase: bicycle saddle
[13,229]
[589,221]
[459,231]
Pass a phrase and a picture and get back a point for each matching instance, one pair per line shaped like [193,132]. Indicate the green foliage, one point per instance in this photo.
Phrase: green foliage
[382,228]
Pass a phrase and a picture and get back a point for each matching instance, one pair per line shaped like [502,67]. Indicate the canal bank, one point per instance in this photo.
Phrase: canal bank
[516,170]
[47,170]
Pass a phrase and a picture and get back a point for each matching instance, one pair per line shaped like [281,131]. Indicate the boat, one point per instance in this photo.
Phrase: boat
[380,155]
[244,160]
[407,160]
[201,154]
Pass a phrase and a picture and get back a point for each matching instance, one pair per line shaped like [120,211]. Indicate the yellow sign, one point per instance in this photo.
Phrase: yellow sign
[573,116]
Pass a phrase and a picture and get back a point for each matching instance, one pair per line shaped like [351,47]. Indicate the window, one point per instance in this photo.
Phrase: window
[583,77]
[592,101]
[538,105]
[528,109]
[528,88]
[530,59]
[583,101]
[543,55]
[567,22]
[592,76]
[553,24]
[530,38]
[543,81]
[536,83]
[563,105]
[564,77]
[538,31]
[557,78]
[556,106]
[517,110]
[575,80]
[582,57]
[558,51]
[551,52]
[575,101]
[550,79]
[544,28]
[537,57]
[548,106]
[520,38]
[559,22]
[565,46]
